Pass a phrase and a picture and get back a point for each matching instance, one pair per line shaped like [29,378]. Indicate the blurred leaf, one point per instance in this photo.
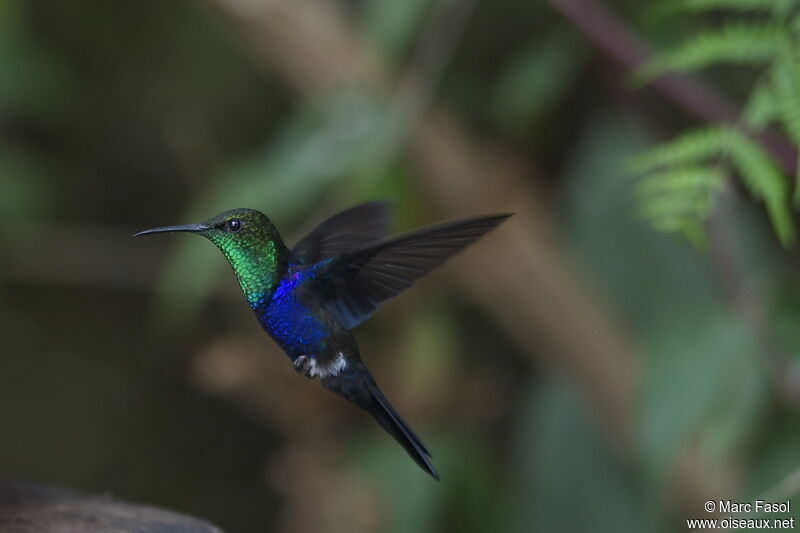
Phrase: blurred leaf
[33,80]
[534,79]
[25,184]
[646,275]
[468,488]
[785,315]
[10,15]
[348,134]
[391,26]
[561,463]
[775,460]
[413,499]
[703,381]
[475,495]
[703,374]
[430,331]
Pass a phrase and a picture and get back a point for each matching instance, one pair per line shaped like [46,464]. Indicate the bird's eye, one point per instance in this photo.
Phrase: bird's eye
[234,225]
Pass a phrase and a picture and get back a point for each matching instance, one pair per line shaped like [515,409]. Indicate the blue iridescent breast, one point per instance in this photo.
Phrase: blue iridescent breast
[289,321]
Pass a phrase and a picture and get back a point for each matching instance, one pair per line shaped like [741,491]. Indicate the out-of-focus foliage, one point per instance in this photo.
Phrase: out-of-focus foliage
[691,169]
[534,79]
[134,367]
[686,175]
[707,385]
[563,458]
[391,26]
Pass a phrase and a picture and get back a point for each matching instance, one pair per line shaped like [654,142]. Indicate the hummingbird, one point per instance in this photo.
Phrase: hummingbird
[309,297]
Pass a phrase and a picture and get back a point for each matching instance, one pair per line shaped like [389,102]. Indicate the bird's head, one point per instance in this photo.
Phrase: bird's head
[235,229]
[249,241]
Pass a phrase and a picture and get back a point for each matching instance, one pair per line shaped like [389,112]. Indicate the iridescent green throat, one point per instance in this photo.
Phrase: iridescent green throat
[258,268]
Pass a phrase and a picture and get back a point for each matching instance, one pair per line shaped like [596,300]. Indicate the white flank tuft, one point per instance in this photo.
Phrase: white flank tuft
[331,369]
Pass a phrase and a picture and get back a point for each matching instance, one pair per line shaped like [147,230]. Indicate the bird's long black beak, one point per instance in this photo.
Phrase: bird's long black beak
[192,228]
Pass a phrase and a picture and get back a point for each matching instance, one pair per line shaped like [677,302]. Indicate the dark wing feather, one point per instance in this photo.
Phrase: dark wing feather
[356,283]
[349,230]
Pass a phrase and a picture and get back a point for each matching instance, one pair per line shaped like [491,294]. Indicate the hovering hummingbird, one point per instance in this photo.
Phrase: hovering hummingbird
[310,297]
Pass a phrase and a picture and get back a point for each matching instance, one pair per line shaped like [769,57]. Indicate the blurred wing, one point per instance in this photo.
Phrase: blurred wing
[354,285]
[349,230]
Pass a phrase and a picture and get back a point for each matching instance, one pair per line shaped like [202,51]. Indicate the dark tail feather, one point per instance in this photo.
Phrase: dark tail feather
[384,413]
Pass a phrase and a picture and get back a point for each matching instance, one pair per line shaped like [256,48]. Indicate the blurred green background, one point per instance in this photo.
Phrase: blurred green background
[574,371]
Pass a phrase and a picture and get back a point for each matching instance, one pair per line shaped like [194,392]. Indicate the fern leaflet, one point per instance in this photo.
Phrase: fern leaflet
[679,200]
[733,43]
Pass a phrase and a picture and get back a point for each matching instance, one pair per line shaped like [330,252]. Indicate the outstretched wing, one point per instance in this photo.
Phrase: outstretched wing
[354,284]
[354,228]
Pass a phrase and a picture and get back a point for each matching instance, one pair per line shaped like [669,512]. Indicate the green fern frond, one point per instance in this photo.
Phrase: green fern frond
[796,196]
[686,180]
[787,99]
[762,107]
[765,181]
[691,170]
[679,200]
[665,9]
[679,197]
[757,169]
[752,43]
[786,79]
[677,191]
[688,149]
[732,5]
[787,87]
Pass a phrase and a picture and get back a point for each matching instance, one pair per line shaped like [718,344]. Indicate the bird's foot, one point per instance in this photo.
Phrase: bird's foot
[304,365]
